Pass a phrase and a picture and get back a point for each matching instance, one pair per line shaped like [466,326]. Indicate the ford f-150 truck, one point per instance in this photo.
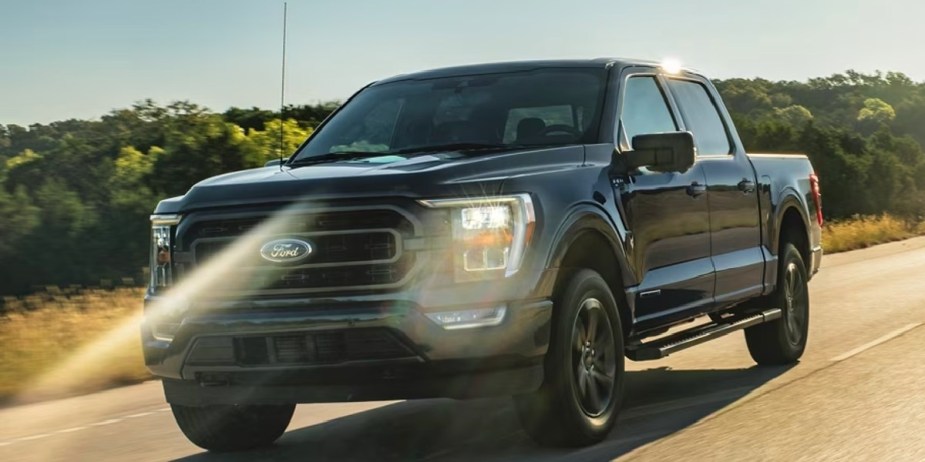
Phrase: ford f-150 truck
[501,229]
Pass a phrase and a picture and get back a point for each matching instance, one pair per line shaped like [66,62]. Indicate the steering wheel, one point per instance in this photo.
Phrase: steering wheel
[560,128]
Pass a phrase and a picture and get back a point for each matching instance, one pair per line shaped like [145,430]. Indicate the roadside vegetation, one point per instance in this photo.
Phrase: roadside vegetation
[859,232]
[42,336]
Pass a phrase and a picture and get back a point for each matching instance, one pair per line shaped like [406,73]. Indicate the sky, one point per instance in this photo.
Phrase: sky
[63,59]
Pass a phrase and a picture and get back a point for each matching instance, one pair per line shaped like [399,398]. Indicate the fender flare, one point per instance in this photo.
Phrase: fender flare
[789,199]
[583,218]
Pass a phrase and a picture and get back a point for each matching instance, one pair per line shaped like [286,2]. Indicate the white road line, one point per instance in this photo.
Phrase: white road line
[106,422]
[71,430]
[33,437]
[871,344]
[76,429]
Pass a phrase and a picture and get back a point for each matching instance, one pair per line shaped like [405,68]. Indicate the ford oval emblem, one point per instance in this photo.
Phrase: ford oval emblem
[286,250]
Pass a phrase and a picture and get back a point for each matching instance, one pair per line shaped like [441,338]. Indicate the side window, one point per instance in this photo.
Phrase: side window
[644,109]
[701,117]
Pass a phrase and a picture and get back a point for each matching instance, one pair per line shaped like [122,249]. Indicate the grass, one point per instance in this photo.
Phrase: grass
[864,231]
[60,343]
[55,344]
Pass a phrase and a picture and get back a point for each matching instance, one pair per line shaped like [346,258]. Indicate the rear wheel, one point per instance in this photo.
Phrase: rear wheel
[783,340]
[583,390]
[225,428]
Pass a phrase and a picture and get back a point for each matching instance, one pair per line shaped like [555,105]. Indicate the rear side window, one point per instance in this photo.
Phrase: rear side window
[701,117]
[644,109]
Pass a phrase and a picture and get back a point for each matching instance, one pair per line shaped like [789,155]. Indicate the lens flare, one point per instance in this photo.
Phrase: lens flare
[213,277]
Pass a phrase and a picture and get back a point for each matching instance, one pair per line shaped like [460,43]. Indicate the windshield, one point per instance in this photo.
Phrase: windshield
[557,106]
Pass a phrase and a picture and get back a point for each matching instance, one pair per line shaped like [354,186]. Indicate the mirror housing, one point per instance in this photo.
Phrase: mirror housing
[662,152]
[275,162]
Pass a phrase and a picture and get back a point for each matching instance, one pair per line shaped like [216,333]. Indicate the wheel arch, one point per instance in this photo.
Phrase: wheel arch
[578,244]
[792,225]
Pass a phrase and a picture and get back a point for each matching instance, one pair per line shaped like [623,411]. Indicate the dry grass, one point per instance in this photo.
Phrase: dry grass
[45,340]
[864,231]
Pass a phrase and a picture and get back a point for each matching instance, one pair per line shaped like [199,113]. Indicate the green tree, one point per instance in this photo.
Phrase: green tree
[20,218]
[795,115]
[267,141]
[876,110]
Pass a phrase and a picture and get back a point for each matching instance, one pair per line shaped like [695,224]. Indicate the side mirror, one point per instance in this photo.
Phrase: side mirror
[275,162]
[662,152]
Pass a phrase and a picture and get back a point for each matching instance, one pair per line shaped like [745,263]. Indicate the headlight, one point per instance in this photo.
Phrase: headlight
[490,234]
[162,231]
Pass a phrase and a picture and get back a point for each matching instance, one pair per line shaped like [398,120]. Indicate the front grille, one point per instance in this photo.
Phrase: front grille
[319,348]
[351,250]
[307,223]
[327,248]
[316,278]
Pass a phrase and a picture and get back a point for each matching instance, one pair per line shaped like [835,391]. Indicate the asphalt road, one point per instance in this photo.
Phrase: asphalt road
[858,394]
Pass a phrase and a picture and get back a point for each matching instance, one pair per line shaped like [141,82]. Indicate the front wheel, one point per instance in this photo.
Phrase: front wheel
[783,340]
[583,389]
[225,428]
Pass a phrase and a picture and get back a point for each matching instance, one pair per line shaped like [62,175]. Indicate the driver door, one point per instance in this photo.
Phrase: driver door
[667,215]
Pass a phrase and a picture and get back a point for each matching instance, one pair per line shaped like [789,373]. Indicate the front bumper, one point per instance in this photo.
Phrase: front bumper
[203,363]
[365,385]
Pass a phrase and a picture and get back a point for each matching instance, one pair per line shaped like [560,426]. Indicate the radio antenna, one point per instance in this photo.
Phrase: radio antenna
[282,92]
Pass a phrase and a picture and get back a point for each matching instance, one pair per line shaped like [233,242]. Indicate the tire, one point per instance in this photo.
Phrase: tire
[583,388]
[783,340]
[227,428]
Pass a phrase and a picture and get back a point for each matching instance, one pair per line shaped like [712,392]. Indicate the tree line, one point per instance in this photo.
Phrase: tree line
[863,132]
[75,195]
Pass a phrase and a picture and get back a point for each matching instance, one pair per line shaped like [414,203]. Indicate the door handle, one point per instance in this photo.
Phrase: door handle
[746,186]
[696,189]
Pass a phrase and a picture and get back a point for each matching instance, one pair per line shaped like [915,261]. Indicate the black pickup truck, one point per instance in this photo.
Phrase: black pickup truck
[502,229]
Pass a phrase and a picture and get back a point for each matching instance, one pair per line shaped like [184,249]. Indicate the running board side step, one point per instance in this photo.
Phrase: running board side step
[662,347]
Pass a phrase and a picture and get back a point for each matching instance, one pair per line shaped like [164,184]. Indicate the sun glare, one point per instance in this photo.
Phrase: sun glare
[671,65]
[213,277]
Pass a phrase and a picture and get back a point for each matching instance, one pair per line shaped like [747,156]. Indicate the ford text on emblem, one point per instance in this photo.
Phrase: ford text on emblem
[286,250]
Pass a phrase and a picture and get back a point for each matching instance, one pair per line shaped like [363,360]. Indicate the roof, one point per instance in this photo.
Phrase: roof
[513,66]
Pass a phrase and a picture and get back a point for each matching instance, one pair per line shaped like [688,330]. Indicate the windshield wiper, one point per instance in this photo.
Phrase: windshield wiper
[454,147]
[337,157]
[354,155]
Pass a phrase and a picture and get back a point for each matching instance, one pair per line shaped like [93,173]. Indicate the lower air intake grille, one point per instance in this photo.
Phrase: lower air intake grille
[320,347]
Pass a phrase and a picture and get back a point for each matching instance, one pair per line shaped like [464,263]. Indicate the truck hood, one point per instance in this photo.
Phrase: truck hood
[420,176]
